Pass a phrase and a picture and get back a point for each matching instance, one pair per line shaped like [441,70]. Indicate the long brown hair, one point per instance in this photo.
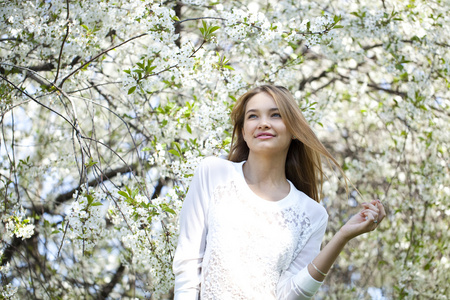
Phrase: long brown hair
[303,162]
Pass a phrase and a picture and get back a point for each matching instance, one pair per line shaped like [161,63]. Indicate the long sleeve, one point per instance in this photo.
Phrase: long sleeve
[192,238]
[296,282]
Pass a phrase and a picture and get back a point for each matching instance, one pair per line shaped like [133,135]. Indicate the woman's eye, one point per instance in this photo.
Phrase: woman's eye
[251,116]
[276,115]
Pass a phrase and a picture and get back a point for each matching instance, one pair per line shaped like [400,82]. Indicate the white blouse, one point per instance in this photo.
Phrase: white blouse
[235,245]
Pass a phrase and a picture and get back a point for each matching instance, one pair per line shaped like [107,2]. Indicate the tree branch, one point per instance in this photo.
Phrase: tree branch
[311,79]
[107,289]
[44,67]
[97,56]
[377,87]
[94,182]
[40,103]
[63,42]
[201,18]
[17,242]
[10,249]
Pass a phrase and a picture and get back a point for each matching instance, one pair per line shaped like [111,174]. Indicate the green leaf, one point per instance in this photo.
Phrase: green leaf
[188,128]
[399,67]
[174,152]
[85,67]
[178,146]
[122,193]
[90,198]
[131,90]
[128,190]
[228,67]
[166,208]
[214,28]
[96,204]
[90,163]
[226,141]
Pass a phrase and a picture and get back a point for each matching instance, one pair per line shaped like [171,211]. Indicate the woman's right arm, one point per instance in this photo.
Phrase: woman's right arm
[192,238]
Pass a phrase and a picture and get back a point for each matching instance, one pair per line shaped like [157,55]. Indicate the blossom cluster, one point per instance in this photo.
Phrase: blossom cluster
[148,230]
[16,223]
[86,219]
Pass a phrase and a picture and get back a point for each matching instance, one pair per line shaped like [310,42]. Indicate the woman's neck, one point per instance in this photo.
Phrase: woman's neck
[267,177]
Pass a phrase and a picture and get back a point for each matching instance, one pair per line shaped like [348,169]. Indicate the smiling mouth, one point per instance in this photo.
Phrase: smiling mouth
[264,136]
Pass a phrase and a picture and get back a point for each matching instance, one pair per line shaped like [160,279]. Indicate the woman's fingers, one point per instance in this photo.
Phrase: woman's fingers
[382,211]
[373,206]
[370,215]
[374,211]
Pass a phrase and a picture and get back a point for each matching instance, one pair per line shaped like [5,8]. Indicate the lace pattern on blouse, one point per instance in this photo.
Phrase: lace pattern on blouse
[249,245]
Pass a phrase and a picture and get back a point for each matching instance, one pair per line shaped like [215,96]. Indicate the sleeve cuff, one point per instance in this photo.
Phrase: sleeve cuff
[305,284]
[191,294]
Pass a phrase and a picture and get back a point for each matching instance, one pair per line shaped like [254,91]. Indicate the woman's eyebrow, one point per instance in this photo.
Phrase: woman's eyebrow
[256,110]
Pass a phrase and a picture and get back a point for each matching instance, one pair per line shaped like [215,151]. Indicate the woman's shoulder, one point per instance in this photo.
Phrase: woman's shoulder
[216,165]
[214,162]
[215,170]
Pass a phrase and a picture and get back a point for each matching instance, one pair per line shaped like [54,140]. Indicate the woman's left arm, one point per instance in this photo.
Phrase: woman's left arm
[366,220]
[307,272]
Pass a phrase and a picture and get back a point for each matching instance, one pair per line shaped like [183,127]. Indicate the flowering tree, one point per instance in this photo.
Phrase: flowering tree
[107,108]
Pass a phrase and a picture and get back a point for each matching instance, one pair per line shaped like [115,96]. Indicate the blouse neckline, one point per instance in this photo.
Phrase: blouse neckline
[280,203]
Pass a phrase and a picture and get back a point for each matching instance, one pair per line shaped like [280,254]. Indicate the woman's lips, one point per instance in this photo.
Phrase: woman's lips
[264,136]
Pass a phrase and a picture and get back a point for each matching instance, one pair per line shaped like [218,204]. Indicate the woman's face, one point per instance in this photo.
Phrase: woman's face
[264,131]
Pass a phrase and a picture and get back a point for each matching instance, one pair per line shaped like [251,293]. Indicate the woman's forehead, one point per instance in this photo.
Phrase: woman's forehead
[261,101]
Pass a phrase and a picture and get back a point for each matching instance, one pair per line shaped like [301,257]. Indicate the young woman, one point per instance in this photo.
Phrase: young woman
[251,226]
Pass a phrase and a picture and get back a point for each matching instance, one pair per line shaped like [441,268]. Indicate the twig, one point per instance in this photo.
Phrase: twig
[193,53]
[93,86]
[201,18]
[98,55]
[40,103]
[64,41]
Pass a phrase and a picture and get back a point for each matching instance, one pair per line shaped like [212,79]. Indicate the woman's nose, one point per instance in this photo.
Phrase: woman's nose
[264,123]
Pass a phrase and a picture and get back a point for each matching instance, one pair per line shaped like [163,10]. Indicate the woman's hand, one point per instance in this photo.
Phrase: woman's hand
[366,220]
